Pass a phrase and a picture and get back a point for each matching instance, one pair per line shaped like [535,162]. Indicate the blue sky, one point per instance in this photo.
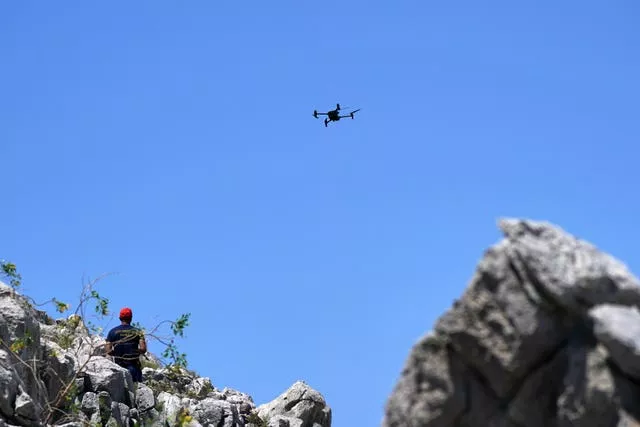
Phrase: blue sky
[174,144]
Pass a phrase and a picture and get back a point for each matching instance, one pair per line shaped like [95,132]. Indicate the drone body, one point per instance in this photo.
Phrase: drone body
[333,115]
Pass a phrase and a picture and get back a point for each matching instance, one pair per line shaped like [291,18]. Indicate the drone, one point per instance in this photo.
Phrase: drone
[333,115]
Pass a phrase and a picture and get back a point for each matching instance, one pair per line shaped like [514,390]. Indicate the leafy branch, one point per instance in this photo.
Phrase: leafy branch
[77,334]
[9,270]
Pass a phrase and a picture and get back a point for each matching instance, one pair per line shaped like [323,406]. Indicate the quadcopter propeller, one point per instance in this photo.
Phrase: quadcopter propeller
[345,107]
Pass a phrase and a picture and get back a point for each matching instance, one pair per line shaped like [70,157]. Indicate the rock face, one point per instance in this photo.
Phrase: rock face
[52,372]
[547,334]
[300,406]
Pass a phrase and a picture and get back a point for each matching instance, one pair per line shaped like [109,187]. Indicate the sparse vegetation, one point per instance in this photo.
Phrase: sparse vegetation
[195,394]
[10,271]
[255,420]
[67,330]
[149,363]
[183,418]
[21,343]
[75,333]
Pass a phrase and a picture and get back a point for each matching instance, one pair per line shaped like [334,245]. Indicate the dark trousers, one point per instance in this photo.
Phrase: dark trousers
[135,369]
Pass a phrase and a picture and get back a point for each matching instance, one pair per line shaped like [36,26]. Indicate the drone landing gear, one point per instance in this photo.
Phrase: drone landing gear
[326,122]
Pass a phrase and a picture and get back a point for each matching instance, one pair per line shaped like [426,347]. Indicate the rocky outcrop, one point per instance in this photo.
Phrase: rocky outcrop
[547,334]
[52,372]
[300,402]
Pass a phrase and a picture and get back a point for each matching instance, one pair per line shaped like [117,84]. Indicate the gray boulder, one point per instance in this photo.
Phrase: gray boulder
[9,382]
[300,404]
[104,375]
[20,329]
[25,409]
[199,387]
[90,403]
[145,400]
[215,412]
[120,414]
[570,271]
[618,328]
[546,334]
[170,403]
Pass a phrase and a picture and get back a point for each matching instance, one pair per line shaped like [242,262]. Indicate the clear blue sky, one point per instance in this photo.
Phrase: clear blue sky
[173,143]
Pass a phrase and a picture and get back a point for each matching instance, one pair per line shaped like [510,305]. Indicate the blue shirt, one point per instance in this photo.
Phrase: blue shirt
[125,340]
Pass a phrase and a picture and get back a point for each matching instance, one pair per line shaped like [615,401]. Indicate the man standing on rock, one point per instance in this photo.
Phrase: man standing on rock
[126,343]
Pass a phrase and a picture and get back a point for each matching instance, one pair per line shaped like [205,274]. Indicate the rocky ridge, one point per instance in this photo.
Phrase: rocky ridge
[547,334]
[41,358]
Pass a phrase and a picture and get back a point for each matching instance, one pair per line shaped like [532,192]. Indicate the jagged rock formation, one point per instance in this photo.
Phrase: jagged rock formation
[300,402]
[52,372]
[547,334]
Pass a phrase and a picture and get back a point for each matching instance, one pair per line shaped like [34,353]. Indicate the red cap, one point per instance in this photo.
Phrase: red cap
[126,313]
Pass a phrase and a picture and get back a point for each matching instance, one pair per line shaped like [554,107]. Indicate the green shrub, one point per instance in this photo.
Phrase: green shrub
[255,419]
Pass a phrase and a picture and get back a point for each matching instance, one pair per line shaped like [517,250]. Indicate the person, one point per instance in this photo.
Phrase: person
[125,344]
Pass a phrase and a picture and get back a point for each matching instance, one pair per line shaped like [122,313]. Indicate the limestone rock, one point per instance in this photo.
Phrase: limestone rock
[299,402]
[102,392]
[199,387]
[90,403]
[572,272]
[589,388]
[547,333]
[21,330]
[120,413]
[144,398]
[497,327]
[25,409]
[618,328]
[440,398]
[8,386]
[211,411]
[104,375]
